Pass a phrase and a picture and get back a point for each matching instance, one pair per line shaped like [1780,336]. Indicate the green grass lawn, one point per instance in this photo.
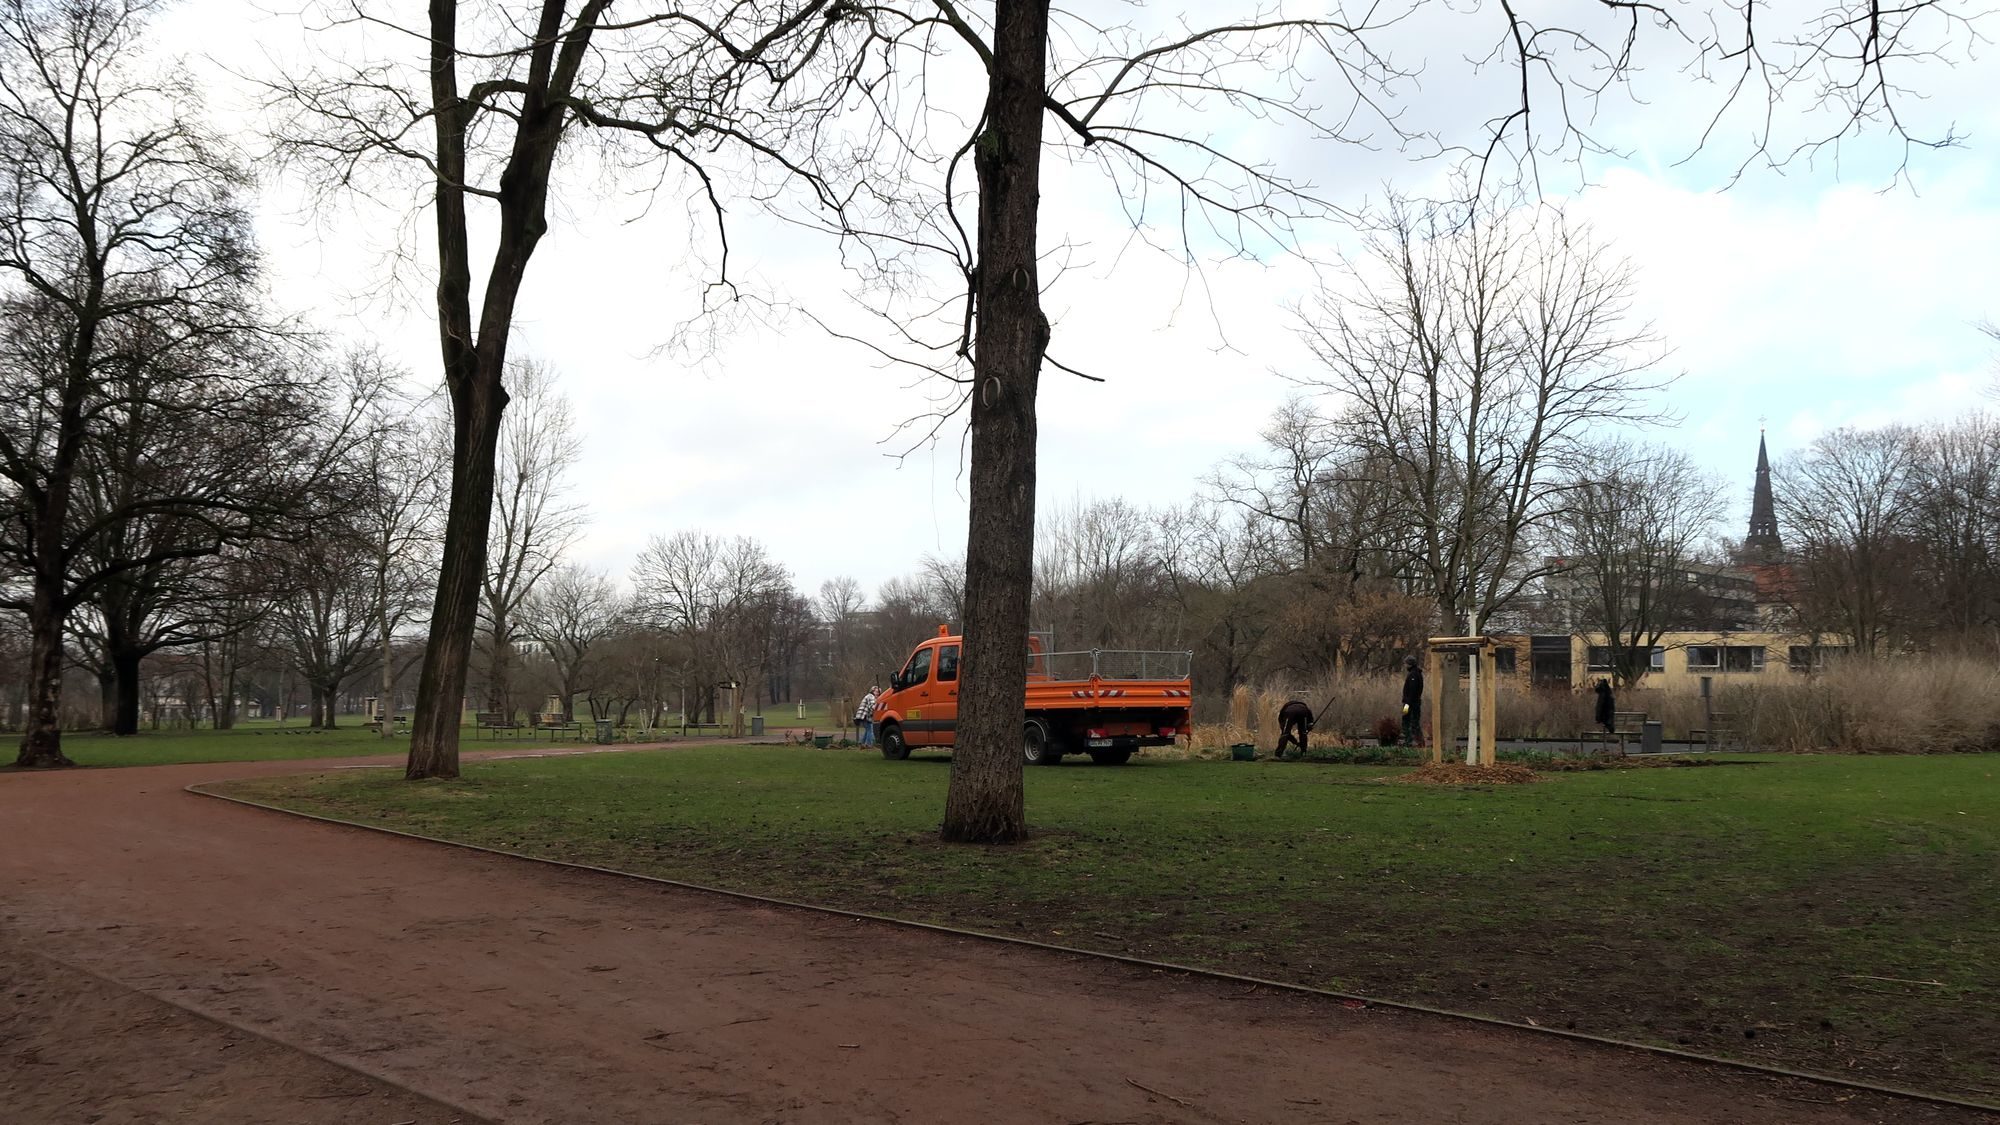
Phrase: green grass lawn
[251,742]
[1840,914]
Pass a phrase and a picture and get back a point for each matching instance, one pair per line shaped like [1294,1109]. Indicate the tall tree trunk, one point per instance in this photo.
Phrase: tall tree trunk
[107,697]
[332,693]
[984,803]
[231,651]
[455,614]
[315,717]
[500,670]
[125,675]
[208,678]
[41,739]
[385,707]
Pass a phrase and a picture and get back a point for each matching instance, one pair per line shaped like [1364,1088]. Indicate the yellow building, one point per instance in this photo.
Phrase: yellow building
[1679,661]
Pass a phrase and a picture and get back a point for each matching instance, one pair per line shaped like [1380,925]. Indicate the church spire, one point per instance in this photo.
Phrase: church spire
[1763,535]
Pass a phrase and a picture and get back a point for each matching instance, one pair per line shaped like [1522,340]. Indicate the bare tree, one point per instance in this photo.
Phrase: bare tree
[479,106]
[127,280]
[1628,535]
[839,606]
[1955,522]
[1477,347]
[1097,575]
[716,598]
[533,520]
[400,460]
[572,614]
[1845,504]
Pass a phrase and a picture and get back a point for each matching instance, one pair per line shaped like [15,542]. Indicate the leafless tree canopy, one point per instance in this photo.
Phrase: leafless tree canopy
[1473,353]
[535,519]
[147,417]
[1626,538]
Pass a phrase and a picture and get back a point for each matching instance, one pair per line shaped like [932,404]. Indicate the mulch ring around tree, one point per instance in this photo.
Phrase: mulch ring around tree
[1457,773]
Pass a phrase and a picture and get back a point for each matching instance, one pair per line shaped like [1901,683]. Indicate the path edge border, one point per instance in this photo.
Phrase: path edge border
[260,1034]
[200,789]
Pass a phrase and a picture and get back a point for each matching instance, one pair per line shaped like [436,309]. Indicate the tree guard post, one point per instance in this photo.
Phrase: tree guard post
[1482,664]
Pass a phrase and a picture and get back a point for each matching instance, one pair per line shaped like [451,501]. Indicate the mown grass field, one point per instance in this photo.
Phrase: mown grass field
[1840,914]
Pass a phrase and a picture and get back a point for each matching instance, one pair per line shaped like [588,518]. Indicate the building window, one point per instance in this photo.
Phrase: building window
[1704,656]
[1503,661]
[1598,659]
[1813,658]
[1743,658]
[1659,662]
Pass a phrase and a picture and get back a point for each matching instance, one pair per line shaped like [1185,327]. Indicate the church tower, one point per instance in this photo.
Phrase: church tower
[1763,538]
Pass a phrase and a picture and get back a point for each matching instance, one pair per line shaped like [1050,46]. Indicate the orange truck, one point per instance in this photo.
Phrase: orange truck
[1100,702]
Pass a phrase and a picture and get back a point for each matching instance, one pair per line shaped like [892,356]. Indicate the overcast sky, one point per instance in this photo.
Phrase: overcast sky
[1818,298]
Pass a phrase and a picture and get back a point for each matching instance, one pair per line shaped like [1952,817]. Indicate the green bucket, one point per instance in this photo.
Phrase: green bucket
[1243,752]
[822,740]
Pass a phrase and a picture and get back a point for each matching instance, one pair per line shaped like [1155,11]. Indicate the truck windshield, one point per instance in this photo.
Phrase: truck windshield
[919,668]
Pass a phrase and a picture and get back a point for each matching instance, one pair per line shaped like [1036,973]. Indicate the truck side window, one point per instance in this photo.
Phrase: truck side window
[919,668]
[948,664]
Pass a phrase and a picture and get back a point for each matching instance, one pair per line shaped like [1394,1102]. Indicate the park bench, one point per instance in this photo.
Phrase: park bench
[494,721]
[1720,734]
[1626,726]
[553,725]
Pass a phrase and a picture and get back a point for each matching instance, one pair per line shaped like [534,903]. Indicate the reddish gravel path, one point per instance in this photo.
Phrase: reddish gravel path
[523,993]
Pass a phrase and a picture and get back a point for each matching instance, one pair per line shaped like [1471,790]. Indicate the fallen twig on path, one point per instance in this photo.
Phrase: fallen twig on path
[1181,1102]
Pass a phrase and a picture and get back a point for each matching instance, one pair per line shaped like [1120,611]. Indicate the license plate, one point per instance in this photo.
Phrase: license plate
[1100,742]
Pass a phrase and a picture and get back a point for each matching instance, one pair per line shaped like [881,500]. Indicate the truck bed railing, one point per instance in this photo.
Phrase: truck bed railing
[1109,664]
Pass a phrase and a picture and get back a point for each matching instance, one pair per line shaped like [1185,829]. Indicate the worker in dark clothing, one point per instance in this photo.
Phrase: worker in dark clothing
[1413,702]
[1295,724]
[1607,705]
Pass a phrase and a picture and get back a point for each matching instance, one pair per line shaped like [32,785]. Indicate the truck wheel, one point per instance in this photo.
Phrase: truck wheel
[1036,746]
[893,746]
[1110,757]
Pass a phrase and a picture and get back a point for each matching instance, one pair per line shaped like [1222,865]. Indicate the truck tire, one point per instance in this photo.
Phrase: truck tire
[1037,748]
[893,746]
[1110,757]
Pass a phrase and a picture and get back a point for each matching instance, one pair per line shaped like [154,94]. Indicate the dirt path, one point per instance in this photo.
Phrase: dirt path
[522,993]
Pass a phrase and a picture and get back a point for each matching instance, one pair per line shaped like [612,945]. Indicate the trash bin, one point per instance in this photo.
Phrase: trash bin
[1650,736]
[604,732]
[1243,751]
[756,726]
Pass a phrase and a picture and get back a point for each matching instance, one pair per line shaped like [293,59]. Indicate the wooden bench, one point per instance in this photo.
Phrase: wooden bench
[1626,726]
[553,725]
[494,721]
[1720,734]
